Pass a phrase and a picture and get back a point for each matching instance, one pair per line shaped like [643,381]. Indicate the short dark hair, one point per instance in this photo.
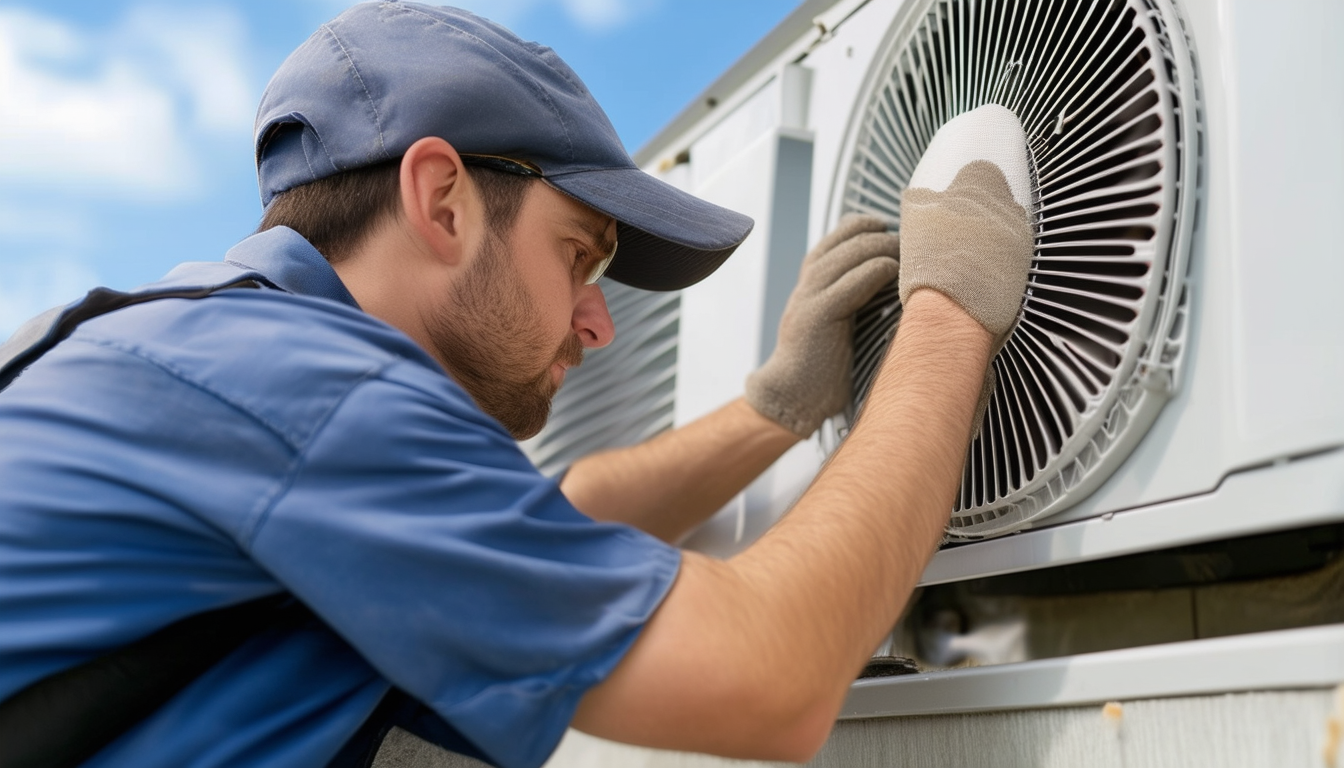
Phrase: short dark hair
[338,212]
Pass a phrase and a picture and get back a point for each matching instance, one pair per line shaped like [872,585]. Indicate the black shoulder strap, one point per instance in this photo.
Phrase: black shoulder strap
[66,718]
[37,336]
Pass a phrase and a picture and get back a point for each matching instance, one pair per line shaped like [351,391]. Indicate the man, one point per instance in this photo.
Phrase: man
[440,199]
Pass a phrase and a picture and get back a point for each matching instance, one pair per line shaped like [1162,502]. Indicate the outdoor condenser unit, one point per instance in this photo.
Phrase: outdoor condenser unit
[1168,418]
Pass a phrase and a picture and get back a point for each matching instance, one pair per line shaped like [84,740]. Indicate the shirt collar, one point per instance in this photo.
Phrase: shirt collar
[291,263]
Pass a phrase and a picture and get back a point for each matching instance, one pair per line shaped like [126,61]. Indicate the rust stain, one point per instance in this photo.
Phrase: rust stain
[1113,712]
[1334,731]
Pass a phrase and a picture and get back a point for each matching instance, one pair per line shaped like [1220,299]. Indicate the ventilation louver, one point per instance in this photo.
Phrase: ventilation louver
[1106,93]
[623,393]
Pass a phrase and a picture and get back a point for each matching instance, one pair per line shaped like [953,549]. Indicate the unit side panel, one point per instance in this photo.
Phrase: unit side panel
[1265,344]
[1288,185]
[721,315]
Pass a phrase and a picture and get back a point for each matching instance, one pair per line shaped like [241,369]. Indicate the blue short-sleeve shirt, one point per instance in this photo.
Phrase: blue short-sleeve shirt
[184,455]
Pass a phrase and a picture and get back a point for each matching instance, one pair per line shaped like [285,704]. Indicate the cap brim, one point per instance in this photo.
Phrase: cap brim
[668,239]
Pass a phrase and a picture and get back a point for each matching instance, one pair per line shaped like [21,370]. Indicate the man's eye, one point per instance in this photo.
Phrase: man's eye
[588,266]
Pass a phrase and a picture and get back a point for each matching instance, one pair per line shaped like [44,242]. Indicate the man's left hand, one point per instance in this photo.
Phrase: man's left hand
[808,378]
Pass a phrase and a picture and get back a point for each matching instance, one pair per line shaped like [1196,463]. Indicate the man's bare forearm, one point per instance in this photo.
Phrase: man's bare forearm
[796,615]
[872,520]
[670,484]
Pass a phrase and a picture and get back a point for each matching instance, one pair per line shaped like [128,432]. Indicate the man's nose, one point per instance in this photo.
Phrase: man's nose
[592,321]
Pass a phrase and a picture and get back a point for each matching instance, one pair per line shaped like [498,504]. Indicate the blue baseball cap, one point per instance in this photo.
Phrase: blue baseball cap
[384,75]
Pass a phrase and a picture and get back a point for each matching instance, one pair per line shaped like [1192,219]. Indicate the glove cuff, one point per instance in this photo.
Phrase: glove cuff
[780,407]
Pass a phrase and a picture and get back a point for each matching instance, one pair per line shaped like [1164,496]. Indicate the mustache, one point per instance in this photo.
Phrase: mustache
[571,352]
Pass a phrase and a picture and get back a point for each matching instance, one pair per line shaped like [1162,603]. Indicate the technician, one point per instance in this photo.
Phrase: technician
[330,414]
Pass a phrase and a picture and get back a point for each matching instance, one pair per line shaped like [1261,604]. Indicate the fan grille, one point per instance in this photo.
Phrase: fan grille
[1099,89]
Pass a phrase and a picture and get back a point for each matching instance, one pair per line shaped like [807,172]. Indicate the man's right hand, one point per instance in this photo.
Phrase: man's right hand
[965,219]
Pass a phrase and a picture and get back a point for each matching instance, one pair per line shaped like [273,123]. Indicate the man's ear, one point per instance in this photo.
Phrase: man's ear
[436,197]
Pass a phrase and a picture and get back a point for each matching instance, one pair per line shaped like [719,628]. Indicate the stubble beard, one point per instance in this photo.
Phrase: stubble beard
[488,336]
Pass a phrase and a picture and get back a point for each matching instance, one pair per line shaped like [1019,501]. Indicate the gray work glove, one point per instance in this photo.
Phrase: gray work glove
[965,226]
[808,378]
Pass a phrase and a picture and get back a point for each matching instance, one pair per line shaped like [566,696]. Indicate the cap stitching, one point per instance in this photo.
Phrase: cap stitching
[575,84]
[531,81]
[377,119]
[311,170]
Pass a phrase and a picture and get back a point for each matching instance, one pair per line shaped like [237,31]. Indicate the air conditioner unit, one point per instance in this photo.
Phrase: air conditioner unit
[1166,443]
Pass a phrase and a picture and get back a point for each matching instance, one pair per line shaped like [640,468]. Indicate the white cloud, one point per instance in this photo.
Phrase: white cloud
[28,224]
[202,53]
[118,111]
[605,15]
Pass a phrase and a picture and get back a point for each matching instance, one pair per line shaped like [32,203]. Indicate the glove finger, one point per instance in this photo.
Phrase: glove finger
[849,225]
[842,259]
[857,286]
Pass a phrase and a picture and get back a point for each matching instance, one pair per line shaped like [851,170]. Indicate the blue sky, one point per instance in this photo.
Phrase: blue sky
[125,127]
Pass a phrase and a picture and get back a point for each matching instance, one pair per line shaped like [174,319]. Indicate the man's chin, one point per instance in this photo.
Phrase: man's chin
[524,414]
[529,425]
[522,407]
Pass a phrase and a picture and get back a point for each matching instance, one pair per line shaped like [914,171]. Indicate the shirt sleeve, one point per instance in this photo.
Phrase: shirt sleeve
[416,528]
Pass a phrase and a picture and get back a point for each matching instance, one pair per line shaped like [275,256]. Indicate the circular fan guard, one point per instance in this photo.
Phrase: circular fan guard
[1099,88]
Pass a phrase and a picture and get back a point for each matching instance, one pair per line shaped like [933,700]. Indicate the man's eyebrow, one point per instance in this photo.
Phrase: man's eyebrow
[597,235]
